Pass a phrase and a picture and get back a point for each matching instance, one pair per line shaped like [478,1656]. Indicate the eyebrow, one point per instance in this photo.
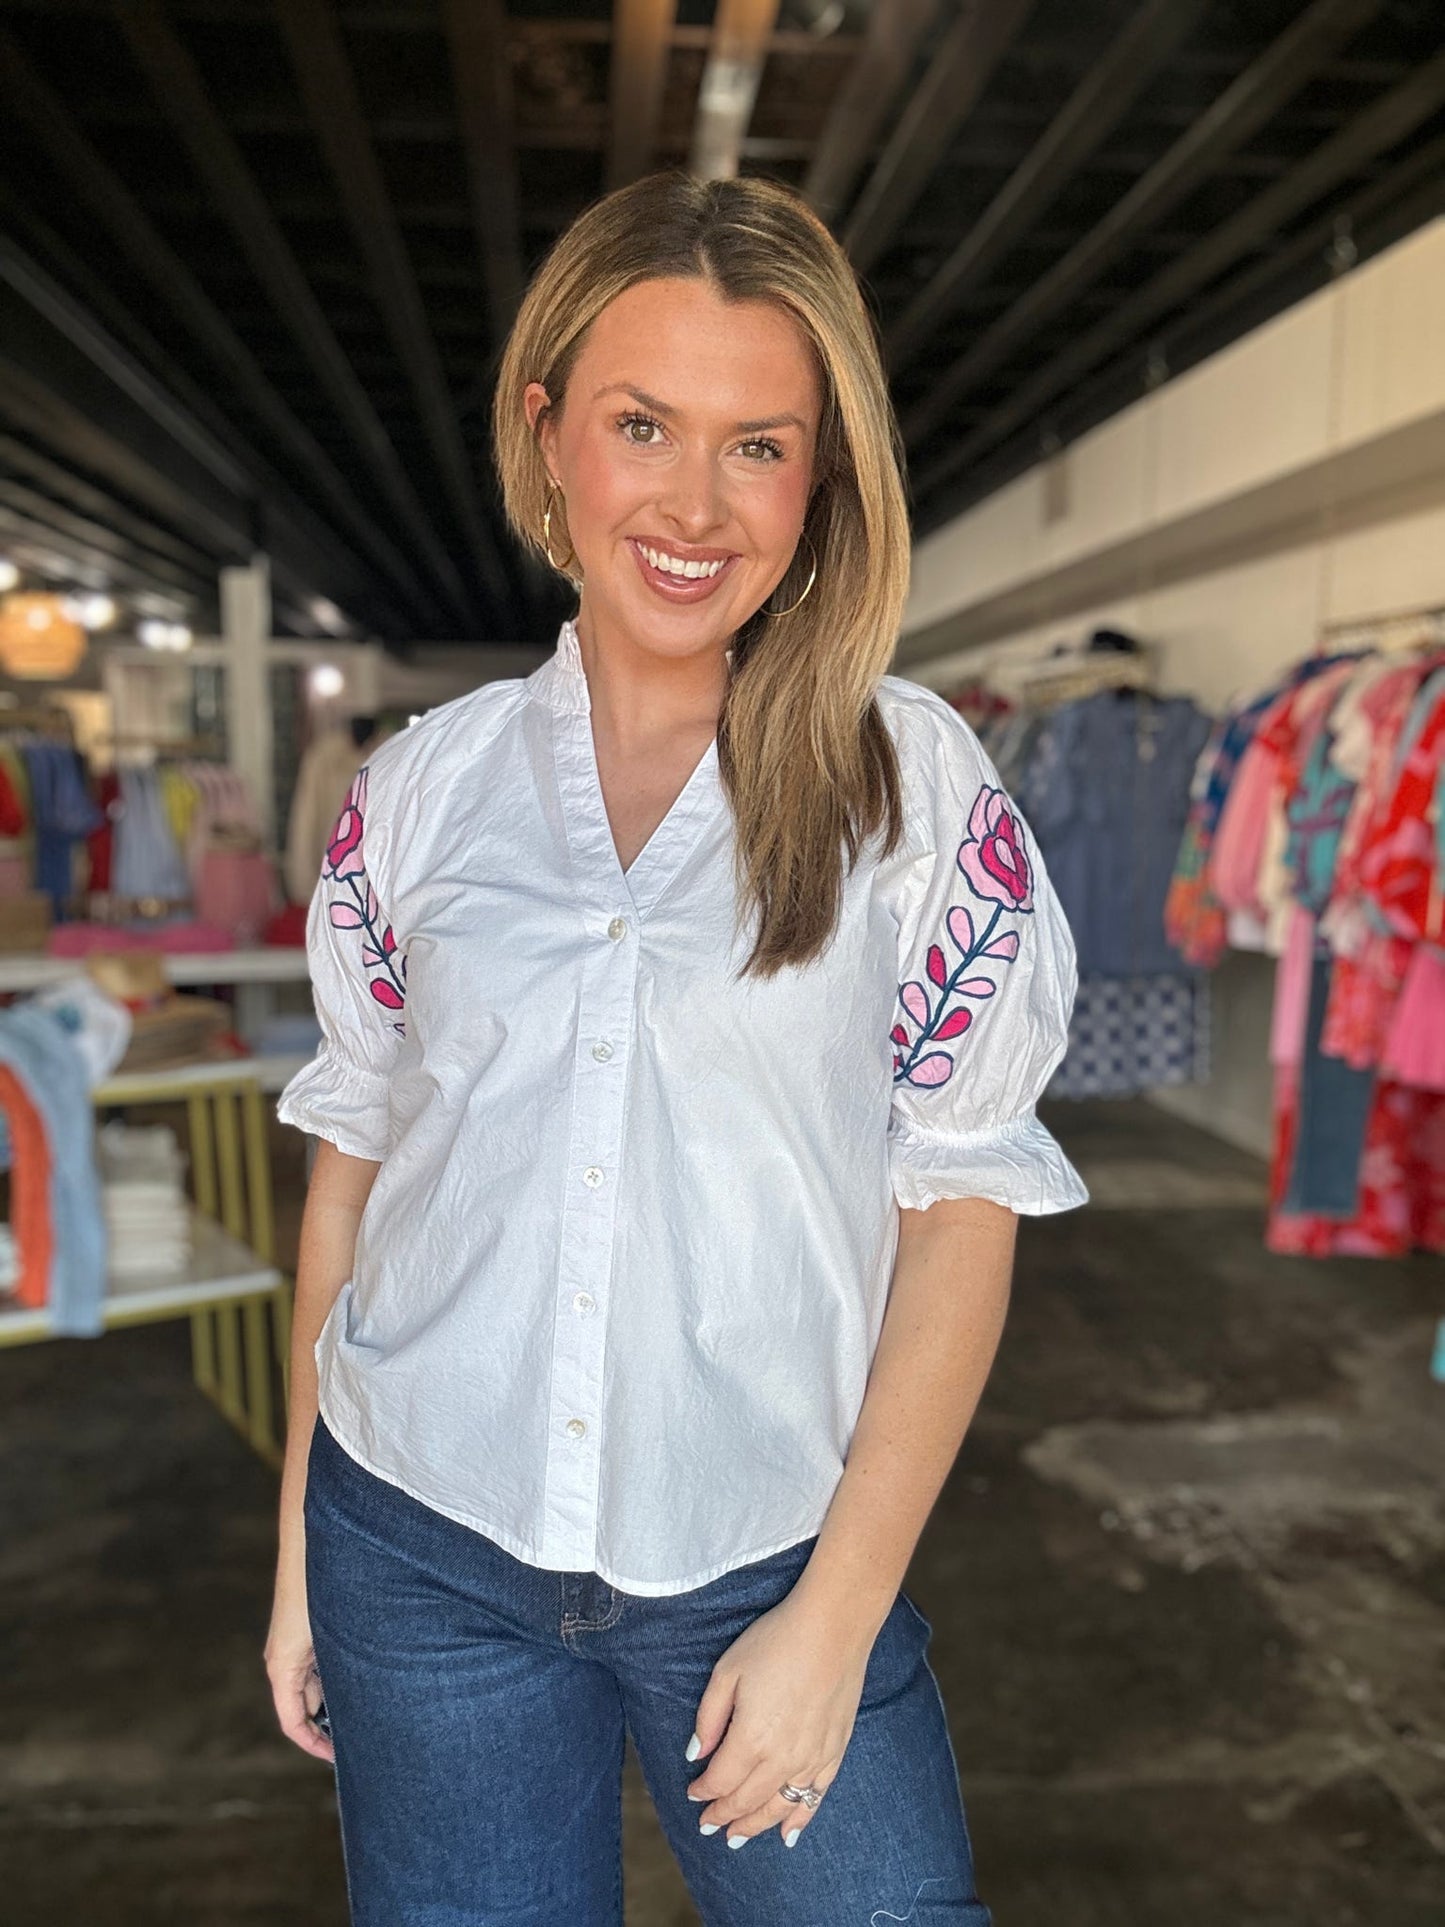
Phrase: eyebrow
[661,408]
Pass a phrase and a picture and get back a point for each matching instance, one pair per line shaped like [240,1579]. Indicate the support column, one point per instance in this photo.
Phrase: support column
[246,634]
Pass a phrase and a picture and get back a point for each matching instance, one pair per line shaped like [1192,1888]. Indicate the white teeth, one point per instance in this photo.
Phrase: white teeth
[668,565]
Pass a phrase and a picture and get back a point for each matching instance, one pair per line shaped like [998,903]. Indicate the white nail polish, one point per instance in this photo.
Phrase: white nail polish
[738,1839]
[790,1838]
[694,1747]
[709,1826]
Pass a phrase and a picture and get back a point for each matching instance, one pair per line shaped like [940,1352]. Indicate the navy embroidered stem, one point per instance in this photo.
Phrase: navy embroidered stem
[975,950]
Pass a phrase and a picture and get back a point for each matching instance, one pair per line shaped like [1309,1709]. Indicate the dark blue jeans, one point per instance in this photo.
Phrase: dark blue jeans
[479,1706]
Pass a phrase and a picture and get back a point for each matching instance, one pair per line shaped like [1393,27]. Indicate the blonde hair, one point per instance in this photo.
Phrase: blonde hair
[806,761]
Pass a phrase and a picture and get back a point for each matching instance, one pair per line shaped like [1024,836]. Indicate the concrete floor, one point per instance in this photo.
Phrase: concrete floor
[1187,1584]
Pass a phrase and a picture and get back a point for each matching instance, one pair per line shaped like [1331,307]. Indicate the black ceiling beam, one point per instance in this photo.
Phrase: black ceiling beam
[866,101]
[482,78]
[122,221]
[481,68]
[940,103]
[56,392]
[37,552]
[35,408]
[102,551]
[1314,37]
[29,407]
[587,129]
[414,21]
[579,32]
[1409,194]
[328,87]
[70,321]
[1411,191]
[298,538]
[21,494]
[642,35]
[1078,130]
[1392,119]
[78,494]
[56,368]
[178,88]
[137,366]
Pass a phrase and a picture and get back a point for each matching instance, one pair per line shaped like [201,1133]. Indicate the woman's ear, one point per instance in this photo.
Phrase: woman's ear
[537,403]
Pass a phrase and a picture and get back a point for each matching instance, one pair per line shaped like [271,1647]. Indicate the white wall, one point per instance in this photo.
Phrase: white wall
[1293,480]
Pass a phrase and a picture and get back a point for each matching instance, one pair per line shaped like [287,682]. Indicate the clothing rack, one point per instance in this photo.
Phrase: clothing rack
[1088,676]
[46,719]
[1400,629]
[169,746]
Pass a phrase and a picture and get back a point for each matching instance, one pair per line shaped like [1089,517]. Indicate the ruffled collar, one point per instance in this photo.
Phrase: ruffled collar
[561,681]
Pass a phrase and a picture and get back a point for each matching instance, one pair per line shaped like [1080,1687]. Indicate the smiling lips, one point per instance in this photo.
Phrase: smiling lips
[677,578]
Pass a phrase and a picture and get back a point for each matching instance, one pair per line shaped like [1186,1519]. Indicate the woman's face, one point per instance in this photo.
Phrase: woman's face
[687,437]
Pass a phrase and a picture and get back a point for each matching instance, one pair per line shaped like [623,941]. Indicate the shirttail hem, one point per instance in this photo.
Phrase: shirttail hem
[645,1588]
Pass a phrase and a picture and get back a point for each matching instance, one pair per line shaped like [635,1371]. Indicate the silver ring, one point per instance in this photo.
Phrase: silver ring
[809,1795]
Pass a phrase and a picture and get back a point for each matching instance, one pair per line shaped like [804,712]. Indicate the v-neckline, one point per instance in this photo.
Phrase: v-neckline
[561,683]
[661,855]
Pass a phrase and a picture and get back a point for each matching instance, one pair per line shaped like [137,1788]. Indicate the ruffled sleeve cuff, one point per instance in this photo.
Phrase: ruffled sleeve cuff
[1017,1164]
[341,1101]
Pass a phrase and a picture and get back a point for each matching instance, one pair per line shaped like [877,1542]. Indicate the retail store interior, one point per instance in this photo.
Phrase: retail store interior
[1160,291]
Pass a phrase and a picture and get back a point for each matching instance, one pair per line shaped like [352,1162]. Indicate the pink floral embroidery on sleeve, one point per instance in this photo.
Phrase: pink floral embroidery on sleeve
[996,868]
[356,906]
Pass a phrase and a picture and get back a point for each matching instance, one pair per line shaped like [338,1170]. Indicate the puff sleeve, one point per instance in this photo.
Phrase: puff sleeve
[358,984]
[987,977]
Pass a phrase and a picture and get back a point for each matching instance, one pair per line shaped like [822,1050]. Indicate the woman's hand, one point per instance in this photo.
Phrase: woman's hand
[291,1668]
[786,1694]
[336,1199]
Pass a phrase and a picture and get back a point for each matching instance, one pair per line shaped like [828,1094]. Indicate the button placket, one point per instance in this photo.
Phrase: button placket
[604,1016]
[613,904]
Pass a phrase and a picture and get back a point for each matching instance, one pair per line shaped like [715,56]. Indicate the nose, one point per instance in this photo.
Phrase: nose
[692,498]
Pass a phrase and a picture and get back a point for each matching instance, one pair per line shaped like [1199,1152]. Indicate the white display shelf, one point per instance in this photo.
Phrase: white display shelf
[272,964]
[220,1268]
[236,1300]
[272,1071]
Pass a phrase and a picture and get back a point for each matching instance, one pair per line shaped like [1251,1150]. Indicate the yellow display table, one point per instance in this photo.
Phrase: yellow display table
[238,1302]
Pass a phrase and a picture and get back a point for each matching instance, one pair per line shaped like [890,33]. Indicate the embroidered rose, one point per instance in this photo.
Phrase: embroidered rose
[343,849]
[358,909]
[992,855]
[993,861]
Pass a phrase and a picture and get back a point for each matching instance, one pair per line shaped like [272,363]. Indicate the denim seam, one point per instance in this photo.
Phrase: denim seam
[574,1622]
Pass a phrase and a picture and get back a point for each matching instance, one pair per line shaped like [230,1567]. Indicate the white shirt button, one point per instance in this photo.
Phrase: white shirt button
[592,1175]
[576,1428]
[617,928]
[583,1301]
[602,1050]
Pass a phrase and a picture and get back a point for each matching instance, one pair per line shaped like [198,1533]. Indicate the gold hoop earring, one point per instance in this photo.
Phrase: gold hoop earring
[812,578]
[555,488]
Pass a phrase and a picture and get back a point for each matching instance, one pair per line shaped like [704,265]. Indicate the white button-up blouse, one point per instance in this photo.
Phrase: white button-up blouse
[621,1275]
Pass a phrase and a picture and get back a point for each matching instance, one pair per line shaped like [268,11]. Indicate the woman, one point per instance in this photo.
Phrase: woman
[685,1006]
